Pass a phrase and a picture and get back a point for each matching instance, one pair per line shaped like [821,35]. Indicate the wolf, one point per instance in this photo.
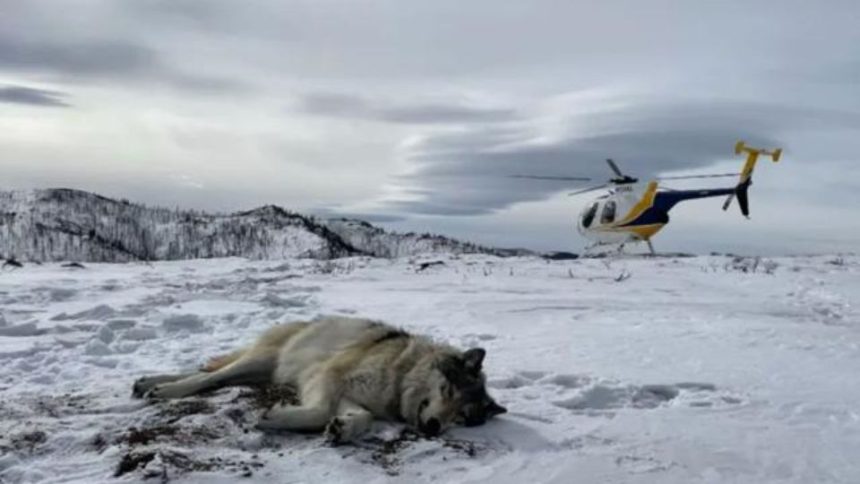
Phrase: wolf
[347,372]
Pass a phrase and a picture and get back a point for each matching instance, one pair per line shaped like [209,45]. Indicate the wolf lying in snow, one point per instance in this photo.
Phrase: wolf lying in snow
[347,372]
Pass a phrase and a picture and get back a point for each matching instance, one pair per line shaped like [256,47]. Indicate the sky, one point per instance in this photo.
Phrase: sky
[414,115]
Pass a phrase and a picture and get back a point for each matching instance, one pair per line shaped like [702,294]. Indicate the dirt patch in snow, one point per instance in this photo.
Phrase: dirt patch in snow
[389,453]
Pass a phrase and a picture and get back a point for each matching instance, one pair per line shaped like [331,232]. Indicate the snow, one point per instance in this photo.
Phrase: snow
[702,369]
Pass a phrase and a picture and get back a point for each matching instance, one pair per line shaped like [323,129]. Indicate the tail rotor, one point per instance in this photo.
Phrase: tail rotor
[742,188]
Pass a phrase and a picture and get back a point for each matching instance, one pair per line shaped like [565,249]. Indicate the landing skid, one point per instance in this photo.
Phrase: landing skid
[599,249]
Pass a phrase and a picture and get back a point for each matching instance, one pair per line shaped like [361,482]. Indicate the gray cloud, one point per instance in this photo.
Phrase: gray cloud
[32,96]
[435,101]
[341,105]
[102,59]
[77,58]
[468,173]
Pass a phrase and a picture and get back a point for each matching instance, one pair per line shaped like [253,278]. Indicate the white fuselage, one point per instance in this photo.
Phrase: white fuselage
[602,219]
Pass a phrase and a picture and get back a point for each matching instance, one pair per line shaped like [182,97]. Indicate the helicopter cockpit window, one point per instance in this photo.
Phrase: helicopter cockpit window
[588,217]
[608,214]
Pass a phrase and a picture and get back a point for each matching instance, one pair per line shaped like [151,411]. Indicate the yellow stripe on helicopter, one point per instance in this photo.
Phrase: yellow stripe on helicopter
[644,231]
[646,202]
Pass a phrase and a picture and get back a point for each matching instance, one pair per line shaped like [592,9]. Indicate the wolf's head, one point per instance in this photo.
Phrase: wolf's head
[451,390]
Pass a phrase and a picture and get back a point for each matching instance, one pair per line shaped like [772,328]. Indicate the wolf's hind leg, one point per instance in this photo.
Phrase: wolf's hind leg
[250,369]
[317,405]
[143,385]
[352,420]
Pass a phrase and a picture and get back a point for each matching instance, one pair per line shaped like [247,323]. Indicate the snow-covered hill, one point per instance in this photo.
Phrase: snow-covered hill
[376,241]
[686,370]
[64,224]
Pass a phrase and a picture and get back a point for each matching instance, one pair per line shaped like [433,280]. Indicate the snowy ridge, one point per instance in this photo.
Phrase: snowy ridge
[64,224]
[376,241]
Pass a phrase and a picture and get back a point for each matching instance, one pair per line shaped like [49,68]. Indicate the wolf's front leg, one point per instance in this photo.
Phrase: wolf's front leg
[298,418]
[316,409]
[143,385]
[352,420]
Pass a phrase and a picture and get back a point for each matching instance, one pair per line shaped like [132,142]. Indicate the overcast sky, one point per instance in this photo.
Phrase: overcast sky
[413,114]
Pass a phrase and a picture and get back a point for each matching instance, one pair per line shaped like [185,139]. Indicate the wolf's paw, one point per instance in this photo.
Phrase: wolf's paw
[142,386]
[270,420]
[335,432]
[166,390]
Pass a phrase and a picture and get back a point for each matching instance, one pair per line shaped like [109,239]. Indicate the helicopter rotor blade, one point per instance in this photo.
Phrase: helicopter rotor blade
[562,178]
[584,190]
[614,168]
[686,177]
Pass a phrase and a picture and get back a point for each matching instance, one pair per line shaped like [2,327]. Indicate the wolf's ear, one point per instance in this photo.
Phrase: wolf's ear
[472,360]
[492,408]
[451,368]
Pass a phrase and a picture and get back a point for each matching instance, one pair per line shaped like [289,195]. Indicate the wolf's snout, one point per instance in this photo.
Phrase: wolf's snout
[474,420]
[431,428]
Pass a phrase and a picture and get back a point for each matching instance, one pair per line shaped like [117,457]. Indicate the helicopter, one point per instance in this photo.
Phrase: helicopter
[634,212]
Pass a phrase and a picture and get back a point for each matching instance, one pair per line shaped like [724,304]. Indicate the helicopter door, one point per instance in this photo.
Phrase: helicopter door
[588,216]
[608,214]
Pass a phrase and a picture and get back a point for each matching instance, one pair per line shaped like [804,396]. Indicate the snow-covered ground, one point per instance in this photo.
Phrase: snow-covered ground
[660,370]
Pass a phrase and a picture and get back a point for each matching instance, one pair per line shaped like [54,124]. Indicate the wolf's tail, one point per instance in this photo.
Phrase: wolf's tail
[218,362]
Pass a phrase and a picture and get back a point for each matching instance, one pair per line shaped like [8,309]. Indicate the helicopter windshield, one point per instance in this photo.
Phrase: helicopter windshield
[588,217]
[608,214]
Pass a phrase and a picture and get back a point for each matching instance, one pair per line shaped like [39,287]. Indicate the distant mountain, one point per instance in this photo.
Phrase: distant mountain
[375,240]
[64,224]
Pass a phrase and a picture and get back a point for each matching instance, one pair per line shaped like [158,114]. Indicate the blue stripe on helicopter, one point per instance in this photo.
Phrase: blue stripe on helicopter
[658,212]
